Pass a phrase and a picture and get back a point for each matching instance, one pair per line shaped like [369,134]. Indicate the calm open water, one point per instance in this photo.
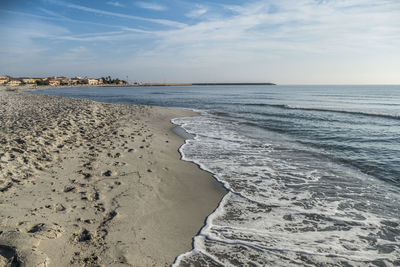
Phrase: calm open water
[313,172]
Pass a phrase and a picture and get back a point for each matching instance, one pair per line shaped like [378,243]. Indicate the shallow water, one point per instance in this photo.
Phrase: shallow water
[313,172]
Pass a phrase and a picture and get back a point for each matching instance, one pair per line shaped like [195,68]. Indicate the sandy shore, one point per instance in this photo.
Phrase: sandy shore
[93,184]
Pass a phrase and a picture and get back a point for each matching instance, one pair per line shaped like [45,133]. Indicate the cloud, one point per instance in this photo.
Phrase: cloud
[24,45]
[22,31]
[324,26]
[152,6]
[289,40]
[53,16]
[268,37]
[103,36]
[115,3]
[75,53]
[119,15]
[110,37]
[199,11]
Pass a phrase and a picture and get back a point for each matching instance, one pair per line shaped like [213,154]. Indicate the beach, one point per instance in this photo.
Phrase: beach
[93,184]
[307,181]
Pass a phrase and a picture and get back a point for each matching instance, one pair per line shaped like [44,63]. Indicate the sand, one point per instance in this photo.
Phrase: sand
[94,184]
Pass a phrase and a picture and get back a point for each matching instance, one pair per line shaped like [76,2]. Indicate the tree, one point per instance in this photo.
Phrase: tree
[41,82]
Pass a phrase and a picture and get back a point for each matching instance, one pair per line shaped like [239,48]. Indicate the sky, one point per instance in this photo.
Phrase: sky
[281,41]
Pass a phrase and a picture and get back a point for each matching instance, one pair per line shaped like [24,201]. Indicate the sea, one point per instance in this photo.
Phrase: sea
[312,172]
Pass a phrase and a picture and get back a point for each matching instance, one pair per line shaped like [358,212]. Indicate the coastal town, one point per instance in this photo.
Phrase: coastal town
[59,81]
[30,82]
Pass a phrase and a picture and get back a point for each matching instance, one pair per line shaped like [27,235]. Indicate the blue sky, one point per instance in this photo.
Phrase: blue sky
[287,41]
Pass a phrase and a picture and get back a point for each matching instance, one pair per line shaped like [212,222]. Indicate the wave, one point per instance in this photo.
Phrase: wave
[367,114]
[274,198]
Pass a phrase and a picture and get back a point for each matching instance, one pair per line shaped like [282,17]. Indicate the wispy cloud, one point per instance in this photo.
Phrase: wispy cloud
[119,15]
[330,25]
[90,36]
[75,53]
[130,29]
[115,3]
[26,41]
[116,36]
[50,13]
[287,33]
[199,11]
[53,16]
[122,32]
[289,40]
[152,6]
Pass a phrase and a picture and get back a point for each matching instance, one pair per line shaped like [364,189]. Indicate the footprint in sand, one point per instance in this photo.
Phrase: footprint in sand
[82,235]
[52,231]
[107,173]
[59,207]
[69,189]
[8,256]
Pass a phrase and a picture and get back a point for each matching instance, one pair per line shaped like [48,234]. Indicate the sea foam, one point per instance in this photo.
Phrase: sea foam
[285,206]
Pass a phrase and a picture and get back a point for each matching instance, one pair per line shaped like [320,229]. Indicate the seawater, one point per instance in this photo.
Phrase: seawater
[312,172]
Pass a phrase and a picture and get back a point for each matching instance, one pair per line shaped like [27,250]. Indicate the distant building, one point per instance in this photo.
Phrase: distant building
[65,81]
[76,81]
[54,82]
[14,82]
[30,80]
[91,81]
[38,79]
[4,79]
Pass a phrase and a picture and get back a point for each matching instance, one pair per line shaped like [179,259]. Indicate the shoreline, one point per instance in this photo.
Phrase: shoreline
[45,87]
[94,183]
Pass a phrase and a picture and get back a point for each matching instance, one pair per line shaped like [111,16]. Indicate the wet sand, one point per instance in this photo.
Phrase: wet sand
[93,184]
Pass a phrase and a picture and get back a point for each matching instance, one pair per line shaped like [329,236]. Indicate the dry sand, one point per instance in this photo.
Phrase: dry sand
[92,184]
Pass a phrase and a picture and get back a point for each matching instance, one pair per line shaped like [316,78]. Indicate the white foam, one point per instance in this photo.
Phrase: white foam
[281,205]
